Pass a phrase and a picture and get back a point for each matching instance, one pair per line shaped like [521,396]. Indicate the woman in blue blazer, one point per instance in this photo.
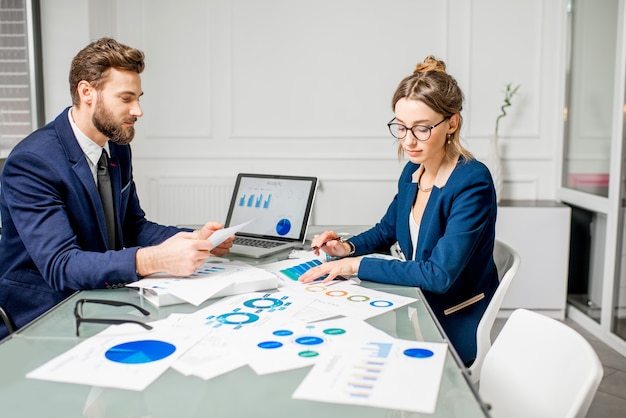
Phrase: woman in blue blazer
[442,217]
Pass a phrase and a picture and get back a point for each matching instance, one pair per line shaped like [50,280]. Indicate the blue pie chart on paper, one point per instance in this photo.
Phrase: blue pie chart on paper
[139,352]
[418,353]
[270,344]
[283,227]
[309,340]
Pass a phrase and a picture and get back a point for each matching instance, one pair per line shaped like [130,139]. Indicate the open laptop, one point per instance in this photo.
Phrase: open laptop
[279,207]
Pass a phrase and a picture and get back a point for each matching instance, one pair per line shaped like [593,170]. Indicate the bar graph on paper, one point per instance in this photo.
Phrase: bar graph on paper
[294,272]
[372,373]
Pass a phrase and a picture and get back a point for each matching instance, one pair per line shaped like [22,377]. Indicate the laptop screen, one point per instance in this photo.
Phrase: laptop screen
[279,205]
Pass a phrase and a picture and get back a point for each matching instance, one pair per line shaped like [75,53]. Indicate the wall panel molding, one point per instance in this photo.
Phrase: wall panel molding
[305,88]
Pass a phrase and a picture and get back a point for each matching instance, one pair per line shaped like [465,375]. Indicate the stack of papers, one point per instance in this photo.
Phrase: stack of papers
[217,277]
[300,325]
[122,356]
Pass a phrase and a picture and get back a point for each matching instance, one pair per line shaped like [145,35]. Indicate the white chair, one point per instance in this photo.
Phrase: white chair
[507,261]
[539,367]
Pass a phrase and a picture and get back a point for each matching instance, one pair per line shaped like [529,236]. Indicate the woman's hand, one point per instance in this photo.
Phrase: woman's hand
[331,244]
[345,267]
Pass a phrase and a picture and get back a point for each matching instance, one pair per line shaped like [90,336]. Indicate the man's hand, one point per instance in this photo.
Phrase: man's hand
[207,230]
[181,254]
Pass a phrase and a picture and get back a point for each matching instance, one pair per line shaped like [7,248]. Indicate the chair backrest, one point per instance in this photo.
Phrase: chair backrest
[539,367]
[507,261]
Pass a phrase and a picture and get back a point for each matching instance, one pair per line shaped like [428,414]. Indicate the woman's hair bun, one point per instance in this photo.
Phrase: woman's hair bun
[430,63]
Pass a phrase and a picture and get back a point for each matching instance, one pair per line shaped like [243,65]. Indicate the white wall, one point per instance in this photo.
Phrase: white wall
[302,87]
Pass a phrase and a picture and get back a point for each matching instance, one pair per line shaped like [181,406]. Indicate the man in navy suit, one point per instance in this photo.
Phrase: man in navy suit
[54,234]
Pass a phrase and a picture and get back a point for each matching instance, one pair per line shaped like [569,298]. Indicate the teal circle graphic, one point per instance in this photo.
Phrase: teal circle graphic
[139,352]
[282,332]
[334,331]
[263,303]
[418,353]
[308,353]
[228,318]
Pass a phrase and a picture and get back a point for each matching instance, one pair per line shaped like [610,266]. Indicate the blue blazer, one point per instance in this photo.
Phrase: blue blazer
[454,259]
[53,227]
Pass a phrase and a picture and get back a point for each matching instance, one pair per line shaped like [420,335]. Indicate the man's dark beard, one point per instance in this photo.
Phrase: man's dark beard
[103,121]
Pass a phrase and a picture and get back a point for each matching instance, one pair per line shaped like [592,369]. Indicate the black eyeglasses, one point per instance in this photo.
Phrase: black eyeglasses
[7,321]
[78,313]
[420,132]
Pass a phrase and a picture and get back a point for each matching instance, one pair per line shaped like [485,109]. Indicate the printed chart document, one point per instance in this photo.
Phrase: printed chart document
[221,235]
[249,310]
[215,354]
[289,271]
[277,346]
[228,324]
[277,331]
[347,298]
[215,278]
[399,375]
[122,356]
[300,261]
[266,337]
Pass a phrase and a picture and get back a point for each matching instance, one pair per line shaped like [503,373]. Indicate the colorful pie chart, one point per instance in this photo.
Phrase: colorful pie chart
[139,352]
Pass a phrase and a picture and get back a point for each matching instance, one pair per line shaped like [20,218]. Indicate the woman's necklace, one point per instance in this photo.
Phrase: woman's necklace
[420,187]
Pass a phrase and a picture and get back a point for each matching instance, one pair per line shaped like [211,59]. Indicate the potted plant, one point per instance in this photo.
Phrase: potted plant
[494,161]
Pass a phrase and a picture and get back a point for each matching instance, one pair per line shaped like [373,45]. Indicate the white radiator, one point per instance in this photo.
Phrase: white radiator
[190,200]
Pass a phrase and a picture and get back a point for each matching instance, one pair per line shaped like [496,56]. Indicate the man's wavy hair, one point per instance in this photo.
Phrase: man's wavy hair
[93,62]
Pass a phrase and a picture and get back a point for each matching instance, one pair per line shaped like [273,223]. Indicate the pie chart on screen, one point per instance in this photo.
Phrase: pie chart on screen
[139,352]
[283,227]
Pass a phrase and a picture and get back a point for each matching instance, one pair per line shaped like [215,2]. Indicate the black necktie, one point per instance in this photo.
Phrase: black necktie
[106,195]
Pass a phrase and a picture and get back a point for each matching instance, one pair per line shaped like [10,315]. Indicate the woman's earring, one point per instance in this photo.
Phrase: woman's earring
[448,137]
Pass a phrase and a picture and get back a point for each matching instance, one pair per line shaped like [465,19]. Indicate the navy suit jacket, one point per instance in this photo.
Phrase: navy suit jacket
[53,227]
[454,258]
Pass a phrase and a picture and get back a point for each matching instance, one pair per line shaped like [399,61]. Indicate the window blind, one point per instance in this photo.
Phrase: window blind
[20,101]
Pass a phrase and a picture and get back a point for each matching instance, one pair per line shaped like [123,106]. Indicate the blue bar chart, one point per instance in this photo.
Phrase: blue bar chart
[254,201]
[296,271]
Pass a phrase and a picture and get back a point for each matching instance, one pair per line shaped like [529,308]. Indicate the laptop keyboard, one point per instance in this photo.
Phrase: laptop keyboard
[259,243]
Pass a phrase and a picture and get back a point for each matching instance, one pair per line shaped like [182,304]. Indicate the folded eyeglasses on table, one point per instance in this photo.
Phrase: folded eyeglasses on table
[78,313]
